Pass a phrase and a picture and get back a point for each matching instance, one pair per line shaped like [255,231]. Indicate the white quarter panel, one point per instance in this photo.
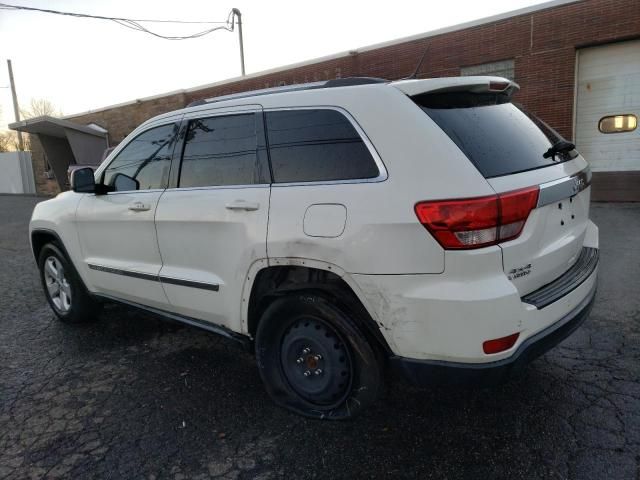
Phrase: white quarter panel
[383,238]
[201,240]
[382,234]
[325,220]
[115,237]
[449,316]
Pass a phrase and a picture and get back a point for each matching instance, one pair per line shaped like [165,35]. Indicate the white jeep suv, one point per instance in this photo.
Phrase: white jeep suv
[338,227]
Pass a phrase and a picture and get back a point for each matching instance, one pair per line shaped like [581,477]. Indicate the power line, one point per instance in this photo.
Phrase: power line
[135,24]
[86,15]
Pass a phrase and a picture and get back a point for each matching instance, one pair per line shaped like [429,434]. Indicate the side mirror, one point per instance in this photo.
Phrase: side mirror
[124,183]
[82,180]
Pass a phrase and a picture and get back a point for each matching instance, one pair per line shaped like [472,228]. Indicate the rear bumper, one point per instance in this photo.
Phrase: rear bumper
[425,372]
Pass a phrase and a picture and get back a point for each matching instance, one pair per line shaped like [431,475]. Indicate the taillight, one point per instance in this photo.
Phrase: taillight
[478,222]
[498,86]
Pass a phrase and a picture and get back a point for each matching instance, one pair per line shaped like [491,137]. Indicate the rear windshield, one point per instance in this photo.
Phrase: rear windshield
[498,137]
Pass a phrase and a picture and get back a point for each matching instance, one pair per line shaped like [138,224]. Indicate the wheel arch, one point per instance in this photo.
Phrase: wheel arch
[269,280]
[41,236]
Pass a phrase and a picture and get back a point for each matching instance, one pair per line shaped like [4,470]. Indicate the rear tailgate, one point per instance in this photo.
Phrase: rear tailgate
[554,234]
[515,150]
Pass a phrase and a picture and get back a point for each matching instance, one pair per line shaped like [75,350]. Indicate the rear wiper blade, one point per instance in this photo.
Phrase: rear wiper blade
[560,146]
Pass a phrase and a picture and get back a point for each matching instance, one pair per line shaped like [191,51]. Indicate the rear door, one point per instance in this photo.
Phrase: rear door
[212,222]
[508,146]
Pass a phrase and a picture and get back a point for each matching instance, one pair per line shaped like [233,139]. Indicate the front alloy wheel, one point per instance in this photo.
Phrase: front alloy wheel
[63,287]
[58,286]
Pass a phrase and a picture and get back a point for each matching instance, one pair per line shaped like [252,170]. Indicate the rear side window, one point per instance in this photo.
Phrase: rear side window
[146,158]
[224,150]
[316,145]
[498,137]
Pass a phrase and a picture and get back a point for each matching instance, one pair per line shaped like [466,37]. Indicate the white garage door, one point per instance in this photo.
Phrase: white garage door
[608,106]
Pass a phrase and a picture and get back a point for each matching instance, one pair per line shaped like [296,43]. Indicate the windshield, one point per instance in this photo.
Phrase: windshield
[498,137]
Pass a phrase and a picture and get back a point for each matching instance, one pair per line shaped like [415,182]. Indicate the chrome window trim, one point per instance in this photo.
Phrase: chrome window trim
[223,111]
[129,192]
[382,169]
[563,188]
[218,187]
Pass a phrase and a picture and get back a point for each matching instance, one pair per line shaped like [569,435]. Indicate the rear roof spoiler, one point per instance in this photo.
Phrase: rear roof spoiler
[457,84]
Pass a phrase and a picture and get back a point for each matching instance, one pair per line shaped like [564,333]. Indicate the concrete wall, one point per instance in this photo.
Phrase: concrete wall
[16,173]
[542,43]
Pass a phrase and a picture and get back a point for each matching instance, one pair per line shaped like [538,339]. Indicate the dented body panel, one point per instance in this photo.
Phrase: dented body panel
[212,244]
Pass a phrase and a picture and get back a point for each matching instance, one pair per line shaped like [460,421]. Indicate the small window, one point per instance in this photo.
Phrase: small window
[315,145]
[225,150]
[618,123]
[503,68]
[146,158]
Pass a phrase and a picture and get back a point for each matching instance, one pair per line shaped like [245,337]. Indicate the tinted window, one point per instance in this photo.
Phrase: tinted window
[146,158]
[316,145]
[226,150]
[498,137]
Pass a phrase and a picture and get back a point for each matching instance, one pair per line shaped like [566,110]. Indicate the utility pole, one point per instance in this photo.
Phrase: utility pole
[16,110]
[238,15]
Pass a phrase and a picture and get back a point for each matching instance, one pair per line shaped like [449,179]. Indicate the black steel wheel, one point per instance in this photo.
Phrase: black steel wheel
[314,360]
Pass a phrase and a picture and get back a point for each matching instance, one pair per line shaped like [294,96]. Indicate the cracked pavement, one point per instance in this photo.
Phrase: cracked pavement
[132,396]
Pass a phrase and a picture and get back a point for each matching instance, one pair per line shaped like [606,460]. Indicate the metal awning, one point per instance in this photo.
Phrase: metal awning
[55,127]
[66,143]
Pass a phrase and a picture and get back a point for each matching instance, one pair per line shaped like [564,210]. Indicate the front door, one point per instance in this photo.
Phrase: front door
[116,230]
[213,224]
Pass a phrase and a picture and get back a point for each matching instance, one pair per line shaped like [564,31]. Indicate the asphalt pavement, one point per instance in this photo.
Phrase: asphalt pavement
[132,396]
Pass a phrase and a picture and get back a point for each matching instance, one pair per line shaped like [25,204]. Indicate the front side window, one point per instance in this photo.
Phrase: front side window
[312,145]
[224,150]
[147,159]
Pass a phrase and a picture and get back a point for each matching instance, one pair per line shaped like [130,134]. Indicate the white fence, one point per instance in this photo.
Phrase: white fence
[16,173]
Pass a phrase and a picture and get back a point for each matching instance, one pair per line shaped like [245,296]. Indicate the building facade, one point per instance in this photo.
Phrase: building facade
[577,63]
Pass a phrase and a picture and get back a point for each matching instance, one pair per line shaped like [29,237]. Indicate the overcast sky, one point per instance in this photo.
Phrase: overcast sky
[84,64]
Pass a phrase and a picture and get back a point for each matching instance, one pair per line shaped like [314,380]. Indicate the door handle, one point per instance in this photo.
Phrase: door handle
[139,207]
[242,205]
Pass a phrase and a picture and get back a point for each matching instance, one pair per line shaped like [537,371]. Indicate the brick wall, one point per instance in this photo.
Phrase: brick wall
[44,185]
[542,43]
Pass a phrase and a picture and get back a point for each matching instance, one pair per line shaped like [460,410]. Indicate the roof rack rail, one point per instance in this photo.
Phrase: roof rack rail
[337,82]
[351,81]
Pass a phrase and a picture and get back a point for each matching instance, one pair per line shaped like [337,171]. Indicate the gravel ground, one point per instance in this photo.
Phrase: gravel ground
[131,396]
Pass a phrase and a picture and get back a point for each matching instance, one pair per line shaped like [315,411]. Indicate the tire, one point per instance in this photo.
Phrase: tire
[63,288]
[314,360]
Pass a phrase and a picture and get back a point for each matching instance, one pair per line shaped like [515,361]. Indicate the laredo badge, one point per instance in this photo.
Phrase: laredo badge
[519,271]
